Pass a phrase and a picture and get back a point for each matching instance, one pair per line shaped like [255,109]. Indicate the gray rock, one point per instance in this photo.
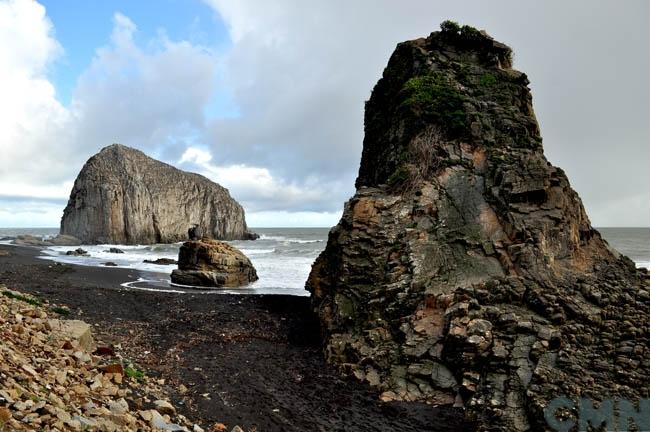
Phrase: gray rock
[59,240]
[77,252]
[30,240]
[161,261]
[442,377]
[122,196]
[64,240]
[158,422]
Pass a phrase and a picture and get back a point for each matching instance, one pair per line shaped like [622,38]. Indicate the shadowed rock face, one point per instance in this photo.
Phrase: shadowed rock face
[465,270]
[122,196]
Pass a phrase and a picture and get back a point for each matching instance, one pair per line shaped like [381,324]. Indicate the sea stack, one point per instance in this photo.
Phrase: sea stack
[465,270]
[122,196]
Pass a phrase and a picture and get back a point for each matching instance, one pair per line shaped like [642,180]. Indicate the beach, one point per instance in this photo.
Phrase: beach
[252,360]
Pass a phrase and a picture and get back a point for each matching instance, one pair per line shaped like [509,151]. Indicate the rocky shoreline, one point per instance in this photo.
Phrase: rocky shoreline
[55,376]
[250,360]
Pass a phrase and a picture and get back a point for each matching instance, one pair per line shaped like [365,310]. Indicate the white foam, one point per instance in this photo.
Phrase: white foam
[282,269]
[287,239]
[132,258]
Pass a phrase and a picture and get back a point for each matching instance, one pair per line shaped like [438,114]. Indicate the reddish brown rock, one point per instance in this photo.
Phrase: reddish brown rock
[212,263]
[465,269]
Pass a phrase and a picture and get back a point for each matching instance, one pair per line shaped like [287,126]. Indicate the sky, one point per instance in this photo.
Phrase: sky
[266,98]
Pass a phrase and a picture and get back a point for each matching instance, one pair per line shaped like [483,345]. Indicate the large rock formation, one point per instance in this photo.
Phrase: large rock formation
[212,263]
[122,196]
[465,270]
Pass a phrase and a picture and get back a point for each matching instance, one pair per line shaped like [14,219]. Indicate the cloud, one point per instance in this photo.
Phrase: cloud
[152,98]
[47,192]
[32,122]
[29,212]
[295,76]
[258,189]
[300,71]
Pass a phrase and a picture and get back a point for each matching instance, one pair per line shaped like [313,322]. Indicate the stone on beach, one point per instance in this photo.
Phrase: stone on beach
[212,263]
[50,385]
[75,331]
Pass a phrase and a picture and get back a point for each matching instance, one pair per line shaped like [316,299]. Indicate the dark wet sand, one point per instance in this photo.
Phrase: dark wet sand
[258,357]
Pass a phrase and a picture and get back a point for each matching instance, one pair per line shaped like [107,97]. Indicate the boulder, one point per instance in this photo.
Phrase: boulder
[251,236]
[464,269]
[161,261]
[29,240]
[59,240]
[77,252]
[76,332]
[64,240]
[212,263]
[122,196]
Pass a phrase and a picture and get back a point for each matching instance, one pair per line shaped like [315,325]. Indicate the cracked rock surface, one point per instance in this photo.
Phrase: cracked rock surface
[465,270]
[122,196]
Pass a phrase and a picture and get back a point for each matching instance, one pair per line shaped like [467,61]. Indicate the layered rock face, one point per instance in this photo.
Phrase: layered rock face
[212,263]
[465,270]
[122,196]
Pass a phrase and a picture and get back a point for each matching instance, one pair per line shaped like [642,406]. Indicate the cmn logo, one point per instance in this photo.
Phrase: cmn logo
[611,415]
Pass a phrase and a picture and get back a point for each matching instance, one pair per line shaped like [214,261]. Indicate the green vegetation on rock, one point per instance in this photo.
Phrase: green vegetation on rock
[61,311]
[433,97]
[134,373]
[466,34]
[30,300]
[488,80]
[399,178]
[470,38]
[450,27]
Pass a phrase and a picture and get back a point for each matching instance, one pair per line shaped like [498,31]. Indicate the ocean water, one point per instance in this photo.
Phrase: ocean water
[633,242]
[282,256]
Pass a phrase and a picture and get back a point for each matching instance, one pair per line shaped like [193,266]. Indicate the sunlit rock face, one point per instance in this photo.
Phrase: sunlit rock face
[122,196]
[465,270]
[212,263]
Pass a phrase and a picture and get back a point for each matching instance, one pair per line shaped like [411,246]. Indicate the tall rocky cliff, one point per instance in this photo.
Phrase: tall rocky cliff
[122,196]
[465,270]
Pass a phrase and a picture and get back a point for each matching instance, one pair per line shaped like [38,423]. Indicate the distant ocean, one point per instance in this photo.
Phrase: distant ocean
[282,256]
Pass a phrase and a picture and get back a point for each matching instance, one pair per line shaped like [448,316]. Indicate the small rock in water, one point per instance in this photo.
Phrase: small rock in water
[161,261]
[77,252]
[115,250]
